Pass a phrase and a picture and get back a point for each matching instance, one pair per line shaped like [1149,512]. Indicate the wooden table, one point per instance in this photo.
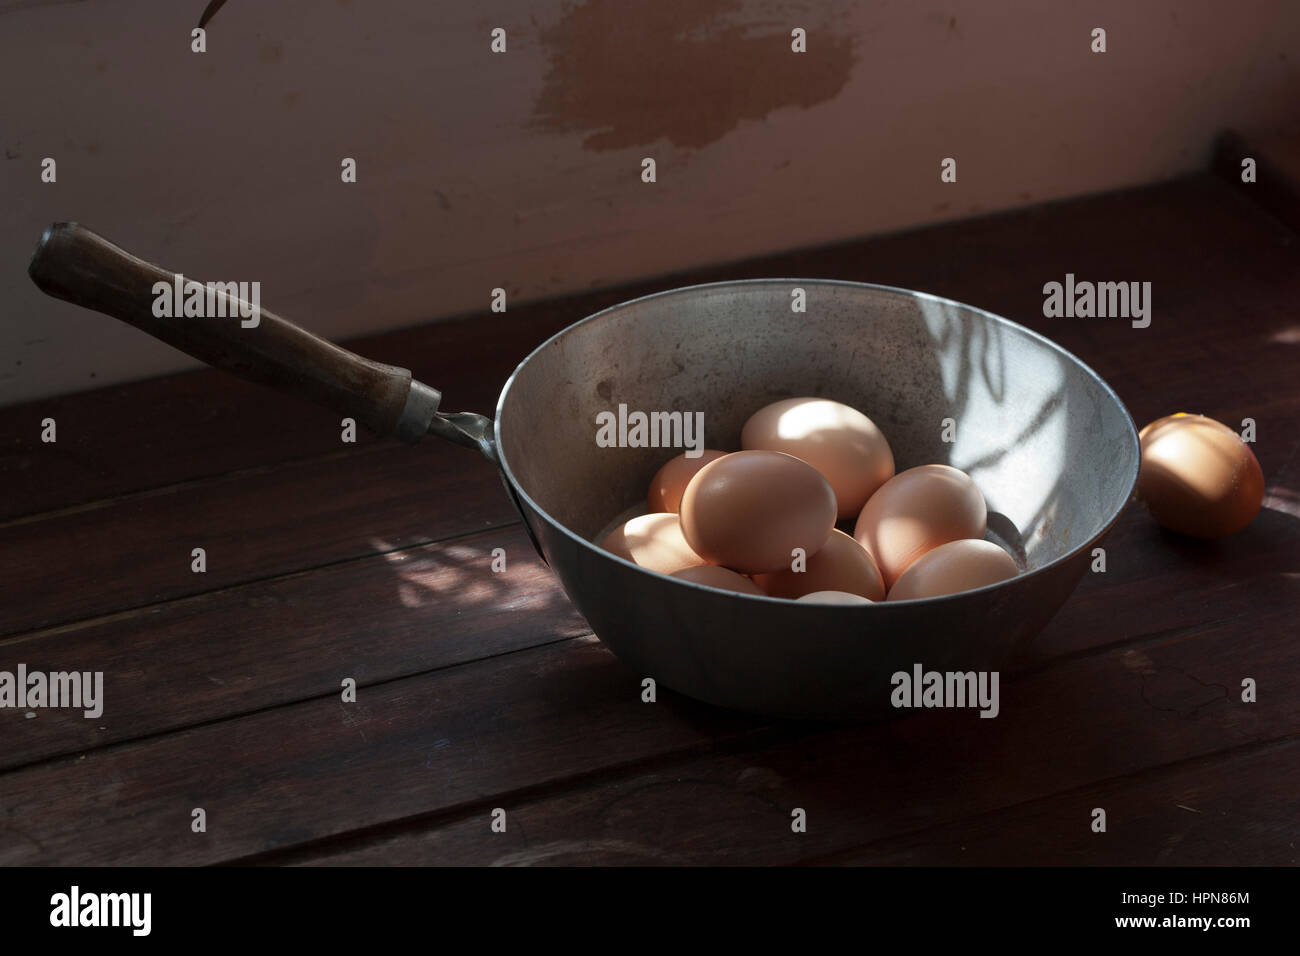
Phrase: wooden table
[478,691]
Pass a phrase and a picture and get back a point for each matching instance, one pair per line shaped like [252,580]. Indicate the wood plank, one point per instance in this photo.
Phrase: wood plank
[247,648]
[179,428]
[1277,169]
[322,767]
[1211,812]
[1105,716]
[135,551]
[1159,582]
[494,733]
[1204,812]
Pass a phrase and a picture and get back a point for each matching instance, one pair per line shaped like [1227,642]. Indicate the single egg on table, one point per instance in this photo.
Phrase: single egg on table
[653,541]
[836,439]
[1198,477]
[833,597]
[749,510]
[953,567]
[716,577]
[917,510]
[670,481]
[841,565]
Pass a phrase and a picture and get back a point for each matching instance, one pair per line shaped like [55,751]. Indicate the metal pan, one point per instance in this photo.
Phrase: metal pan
[1050,445]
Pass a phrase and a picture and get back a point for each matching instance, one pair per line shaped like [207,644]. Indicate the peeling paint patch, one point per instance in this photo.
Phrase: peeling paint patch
[681,70]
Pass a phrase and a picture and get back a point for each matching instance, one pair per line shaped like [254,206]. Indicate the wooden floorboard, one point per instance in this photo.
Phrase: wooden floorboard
[1095,718]
[194,425]
[134,551]
[322,767]
[484,731]
[1194,814]
[256,646]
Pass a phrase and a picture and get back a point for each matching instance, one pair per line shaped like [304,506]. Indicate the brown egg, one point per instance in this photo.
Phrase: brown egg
[716,577]
[953,567]
[670,481]
[749,510]
[839,441]
[833,597]
[917,510]
[841,565]
[654,542]
[1198,477]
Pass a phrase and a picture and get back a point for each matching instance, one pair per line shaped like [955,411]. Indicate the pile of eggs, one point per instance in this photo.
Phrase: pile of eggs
[763,520]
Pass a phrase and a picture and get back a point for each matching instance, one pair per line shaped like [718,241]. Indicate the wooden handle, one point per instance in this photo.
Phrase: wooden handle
[75,264]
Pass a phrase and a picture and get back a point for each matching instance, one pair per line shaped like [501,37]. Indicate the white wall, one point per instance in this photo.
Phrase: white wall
[522,170]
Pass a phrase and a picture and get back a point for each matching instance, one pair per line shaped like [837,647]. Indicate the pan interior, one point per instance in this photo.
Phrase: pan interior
[1048,444]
